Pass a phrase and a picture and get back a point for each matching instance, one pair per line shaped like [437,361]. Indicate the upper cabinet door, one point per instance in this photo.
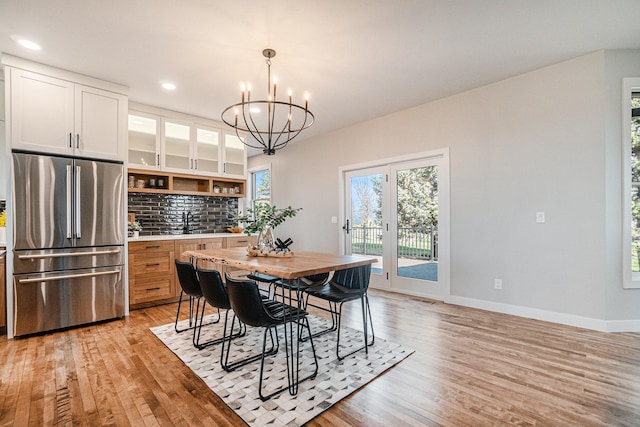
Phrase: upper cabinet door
[207,151]
[100,123]
[41,113]
[176,147]
[235,157]
[144,141]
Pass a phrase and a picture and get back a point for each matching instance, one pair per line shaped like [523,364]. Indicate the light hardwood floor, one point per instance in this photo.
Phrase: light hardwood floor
[470,368]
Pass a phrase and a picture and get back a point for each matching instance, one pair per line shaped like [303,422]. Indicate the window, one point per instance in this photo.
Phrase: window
[631,208]
[260,182]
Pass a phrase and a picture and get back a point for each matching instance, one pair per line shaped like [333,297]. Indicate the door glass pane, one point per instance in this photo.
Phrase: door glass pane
[142,141]
[635,182]
[417,211]
[365,236]
[176,154]
[208,150]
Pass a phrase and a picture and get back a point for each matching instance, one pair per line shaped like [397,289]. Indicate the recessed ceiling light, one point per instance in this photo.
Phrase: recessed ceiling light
[169,86]
[254,109]
[29,44]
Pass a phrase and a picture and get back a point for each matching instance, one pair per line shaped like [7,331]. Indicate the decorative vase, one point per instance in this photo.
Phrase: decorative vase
[136,234]
[266,241]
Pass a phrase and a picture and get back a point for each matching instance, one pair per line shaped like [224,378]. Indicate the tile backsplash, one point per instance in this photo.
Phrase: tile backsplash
[164,213]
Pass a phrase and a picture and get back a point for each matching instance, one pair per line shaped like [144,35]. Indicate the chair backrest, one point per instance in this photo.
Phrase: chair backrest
[316,279]
[352,280]
[188,279]
[213,289]
[246,302]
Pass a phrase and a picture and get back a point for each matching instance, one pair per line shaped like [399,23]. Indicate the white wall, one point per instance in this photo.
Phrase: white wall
[542,141]
[3,161]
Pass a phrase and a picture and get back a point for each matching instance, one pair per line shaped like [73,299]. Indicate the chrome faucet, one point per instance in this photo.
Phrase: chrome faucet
[185,222]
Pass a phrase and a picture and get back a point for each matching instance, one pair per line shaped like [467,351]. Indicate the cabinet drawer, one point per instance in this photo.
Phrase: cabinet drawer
[141,265]
[152,288]
[234,242]
[153,246]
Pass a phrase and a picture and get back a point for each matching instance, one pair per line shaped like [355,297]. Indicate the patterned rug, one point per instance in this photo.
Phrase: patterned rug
[239,389]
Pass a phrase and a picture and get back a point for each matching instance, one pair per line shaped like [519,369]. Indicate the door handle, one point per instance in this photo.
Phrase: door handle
[77,140]
[68,276]
[78,203]
[69,201]
[346,227]
[71,254]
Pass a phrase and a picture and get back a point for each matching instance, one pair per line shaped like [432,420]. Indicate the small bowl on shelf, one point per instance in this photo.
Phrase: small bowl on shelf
[236,229]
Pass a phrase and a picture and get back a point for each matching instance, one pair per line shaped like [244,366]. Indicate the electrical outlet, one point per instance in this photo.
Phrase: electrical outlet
[540,217]
[497,284]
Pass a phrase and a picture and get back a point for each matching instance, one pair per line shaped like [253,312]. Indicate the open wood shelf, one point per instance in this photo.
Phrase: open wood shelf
[197,185]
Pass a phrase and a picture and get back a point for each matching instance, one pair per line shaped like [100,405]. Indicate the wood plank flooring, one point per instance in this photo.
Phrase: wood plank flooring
[470,368]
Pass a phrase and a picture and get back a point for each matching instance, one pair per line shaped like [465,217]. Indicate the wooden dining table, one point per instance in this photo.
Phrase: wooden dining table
[290,269]
[300,264]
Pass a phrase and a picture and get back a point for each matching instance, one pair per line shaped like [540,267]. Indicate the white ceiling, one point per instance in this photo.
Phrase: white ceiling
[358,59]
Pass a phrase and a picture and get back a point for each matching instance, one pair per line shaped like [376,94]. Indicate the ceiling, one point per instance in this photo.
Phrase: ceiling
[358,59]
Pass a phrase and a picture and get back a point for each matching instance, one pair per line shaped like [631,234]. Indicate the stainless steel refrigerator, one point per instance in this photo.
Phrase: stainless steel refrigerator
[68,242]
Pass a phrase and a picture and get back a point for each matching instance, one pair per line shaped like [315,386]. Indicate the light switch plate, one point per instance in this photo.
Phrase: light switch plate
[539,217]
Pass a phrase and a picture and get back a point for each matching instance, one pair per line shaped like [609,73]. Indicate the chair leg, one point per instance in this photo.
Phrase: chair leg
[224,359]
[225,338]
[366,313]
[198,327]
[293,380]
[331,310]
[178,313]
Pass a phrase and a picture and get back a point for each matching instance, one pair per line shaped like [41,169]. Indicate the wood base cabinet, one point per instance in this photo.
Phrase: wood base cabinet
[151,271]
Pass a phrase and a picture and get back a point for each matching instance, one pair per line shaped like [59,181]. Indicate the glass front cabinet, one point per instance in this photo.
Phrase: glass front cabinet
[144,141]
[180,146]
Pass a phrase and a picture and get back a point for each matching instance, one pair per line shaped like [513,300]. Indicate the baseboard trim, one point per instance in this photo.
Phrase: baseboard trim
[548,316]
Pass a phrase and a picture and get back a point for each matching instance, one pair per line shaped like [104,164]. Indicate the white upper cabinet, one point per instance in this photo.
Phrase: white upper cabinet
[41,113]
[177,147]
[173,142]
[144,141]
[58,116]
[207,151]
[235,156]
[100,123]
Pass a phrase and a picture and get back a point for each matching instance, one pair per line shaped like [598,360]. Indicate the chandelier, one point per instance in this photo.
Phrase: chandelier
[269,124]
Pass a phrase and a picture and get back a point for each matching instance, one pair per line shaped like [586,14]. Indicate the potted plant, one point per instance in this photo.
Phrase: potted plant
[262,220]
[135,227]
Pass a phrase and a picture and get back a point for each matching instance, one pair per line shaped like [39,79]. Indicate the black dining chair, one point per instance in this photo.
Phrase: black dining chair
[264,278]
[215,294]
[346,285]
[190,286]
[253,310]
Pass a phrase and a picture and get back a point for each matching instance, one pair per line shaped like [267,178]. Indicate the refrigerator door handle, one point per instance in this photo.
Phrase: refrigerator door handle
[69,200]
[68,276]
[78,204]
[69,254]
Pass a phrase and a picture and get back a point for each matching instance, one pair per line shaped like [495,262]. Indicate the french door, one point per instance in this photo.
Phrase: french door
[399,214]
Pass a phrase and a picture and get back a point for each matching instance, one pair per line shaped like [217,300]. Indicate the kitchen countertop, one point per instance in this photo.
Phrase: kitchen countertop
[184,236]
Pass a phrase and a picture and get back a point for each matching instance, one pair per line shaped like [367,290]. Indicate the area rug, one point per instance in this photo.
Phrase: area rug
[239,389]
